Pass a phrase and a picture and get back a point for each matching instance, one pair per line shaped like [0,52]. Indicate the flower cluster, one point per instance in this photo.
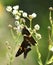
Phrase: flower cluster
[50,28]
[20,16]
[18,13]
[37,35]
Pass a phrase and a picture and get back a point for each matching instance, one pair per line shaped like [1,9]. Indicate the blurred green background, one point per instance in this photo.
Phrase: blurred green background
[41,7]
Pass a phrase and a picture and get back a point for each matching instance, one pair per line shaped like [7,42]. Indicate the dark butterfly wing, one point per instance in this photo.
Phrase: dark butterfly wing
[25,31]
[28,36]
[23,47]
[30,39]
[26,52]
[26,44]
[19,52]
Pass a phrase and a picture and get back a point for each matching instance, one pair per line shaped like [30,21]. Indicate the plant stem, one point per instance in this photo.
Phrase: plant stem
[39,56]
[50,17]
[10,62]
[13,34]
[47,58]
[52,31]
[31,24]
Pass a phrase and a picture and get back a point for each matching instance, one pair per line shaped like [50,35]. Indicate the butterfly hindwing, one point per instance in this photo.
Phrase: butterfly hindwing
[19,52]
[26,52]
[23,47]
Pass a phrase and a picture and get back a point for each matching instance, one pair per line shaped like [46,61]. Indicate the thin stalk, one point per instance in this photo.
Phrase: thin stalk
[31,24]
[13,34]
[39,56]
[49,51]
[10,62]
[52,31]
[51,21]
[50,17]
[47,58]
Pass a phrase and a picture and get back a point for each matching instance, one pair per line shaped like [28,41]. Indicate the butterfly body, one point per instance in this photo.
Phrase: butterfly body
[26,44]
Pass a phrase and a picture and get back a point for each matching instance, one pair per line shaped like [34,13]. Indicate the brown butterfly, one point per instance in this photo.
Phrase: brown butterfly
[26,44]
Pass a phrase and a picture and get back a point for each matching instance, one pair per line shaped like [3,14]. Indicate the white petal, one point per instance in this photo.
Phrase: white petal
[16,7]
[38,36]
[9,8]
[51,49]
[17,23]
[24,14]
[37,27]
[17,17]
[34,15]
[14,12]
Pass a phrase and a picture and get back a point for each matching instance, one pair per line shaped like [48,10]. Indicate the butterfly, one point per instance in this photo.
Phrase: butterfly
[26,44]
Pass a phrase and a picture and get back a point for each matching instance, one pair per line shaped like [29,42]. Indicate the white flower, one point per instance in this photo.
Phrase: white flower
[9,47]
[10,26]
[19,28]
[34,15]
[18,13]
[23,20]
[38,36]
[15,28]
[51,49]
[49,27]
[37,27]
[17,23]
[14,12]
[7,43]
[24,14]
[21,11]
[9,8]
[16,7]
[17,17]
[50,8]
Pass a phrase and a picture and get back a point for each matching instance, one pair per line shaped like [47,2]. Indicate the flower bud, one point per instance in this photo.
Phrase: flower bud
[50,8]
[32,16]
[7,43]
[9,8]
[14,12]
[10,26]
[16,7]
[38,36]
[51,49]
[17,17]
[36,27]
[17,23]
[24,14]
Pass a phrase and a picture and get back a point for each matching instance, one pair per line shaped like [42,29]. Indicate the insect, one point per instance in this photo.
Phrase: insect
[26,44]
